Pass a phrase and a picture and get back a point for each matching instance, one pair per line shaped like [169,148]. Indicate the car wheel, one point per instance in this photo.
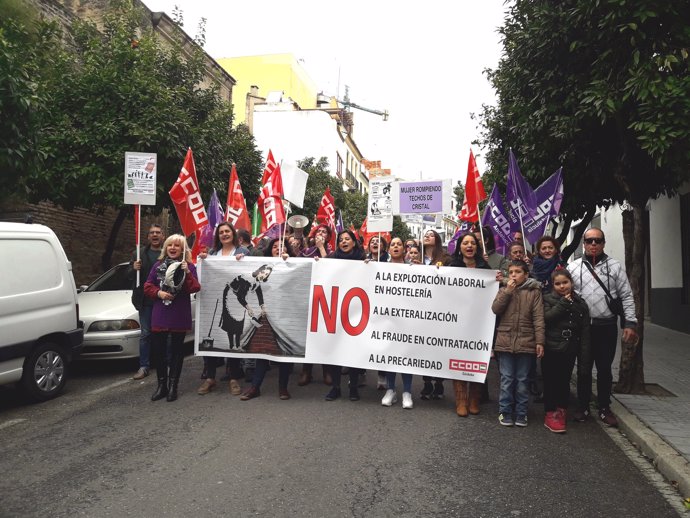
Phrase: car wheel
[45,372]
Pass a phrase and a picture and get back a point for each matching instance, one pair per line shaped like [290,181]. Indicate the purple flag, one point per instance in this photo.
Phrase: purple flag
[339,227]
[215,214]
[215,217]
[549,196]
[498,221]
[520,197]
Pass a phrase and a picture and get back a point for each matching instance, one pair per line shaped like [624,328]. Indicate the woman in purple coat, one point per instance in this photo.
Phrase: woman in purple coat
[171,281]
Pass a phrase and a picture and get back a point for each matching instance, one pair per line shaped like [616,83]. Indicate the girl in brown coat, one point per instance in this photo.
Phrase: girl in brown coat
[520,335]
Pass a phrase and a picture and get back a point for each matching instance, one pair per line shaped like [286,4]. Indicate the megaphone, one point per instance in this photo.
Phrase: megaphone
[297,223]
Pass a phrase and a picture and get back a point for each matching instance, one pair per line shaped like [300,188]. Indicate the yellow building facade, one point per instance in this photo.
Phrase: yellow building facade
[271,72]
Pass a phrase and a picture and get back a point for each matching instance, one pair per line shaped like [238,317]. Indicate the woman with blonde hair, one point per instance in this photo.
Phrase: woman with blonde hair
[172,279]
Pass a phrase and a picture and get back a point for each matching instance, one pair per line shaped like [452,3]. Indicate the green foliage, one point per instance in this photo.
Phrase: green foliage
[601,88]
[352,203]
[119,89]
[24,51]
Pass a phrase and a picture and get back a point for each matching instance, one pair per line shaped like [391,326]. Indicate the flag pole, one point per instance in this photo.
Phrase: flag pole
[287,210]
[553,198]
[378,258]
[137,227]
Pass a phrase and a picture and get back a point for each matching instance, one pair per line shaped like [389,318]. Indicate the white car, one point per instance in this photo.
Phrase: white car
[111,324]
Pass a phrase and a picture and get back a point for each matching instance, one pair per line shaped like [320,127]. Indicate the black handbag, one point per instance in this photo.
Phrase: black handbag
[138,297]
[615,304]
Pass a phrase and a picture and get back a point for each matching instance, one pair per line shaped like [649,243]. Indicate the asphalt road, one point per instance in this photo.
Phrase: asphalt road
[104,449]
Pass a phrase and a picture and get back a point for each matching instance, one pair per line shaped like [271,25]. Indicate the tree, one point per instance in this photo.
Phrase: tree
[603,89]
[119,89]
[25,44]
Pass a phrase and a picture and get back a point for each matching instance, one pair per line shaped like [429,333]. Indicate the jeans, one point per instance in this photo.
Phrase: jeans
[260,372]
[556,368]
[407,381]
[145,338]
[604,340]
[514,383]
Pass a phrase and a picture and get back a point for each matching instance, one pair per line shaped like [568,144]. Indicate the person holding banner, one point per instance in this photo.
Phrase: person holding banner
[376,251]
[275,248]
[347,248]
[433,255]
[397,255]
[320,247]
[520,336]
[225,245]
[170,283]
[468,254]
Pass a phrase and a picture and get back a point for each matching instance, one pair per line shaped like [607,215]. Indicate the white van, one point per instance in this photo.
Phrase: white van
[39,315]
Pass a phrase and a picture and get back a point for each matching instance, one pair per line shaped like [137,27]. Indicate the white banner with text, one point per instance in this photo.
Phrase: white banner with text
[390,317]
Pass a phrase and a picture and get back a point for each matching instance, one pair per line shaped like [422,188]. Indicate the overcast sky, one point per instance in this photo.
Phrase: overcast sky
[422,62]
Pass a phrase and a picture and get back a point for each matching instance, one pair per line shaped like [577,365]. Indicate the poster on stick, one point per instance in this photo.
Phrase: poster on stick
[428,197]
[380,208]
[140,178]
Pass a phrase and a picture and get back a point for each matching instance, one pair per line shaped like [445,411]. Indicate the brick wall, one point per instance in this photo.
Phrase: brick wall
[84,234]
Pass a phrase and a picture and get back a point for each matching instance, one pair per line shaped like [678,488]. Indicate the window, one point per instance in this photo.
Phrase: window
[338,166]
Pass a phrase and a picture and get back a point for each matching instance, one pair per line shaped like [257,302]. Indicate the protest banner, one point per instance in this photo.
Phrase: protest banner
[416,319]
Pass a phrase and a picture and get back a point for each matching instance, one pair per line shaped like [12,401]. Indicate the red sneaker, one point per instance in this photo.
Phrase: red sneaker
[552,421]
[562,417]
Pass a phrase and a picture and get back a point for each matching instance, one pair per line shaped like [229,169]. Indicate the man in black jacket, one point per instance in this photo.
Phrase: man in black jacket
[148,255]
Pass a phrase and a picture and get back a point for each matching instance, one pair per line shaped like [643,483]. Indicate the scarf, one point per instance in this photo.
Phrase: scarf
[170,277]
[356,254]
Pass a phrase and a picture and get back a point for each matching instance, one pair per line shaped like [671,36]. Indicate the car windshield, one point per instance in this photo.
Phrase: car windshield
[113,280]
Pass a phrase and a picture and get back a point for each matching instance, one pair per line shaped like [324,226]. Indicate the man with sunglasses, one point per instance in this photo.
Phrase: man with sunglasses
[604,324]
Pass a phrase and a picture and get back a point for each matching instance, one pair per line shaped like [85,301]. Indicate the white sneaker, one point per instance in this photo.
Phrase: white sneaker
[407,400]
[389,398]
[381,383]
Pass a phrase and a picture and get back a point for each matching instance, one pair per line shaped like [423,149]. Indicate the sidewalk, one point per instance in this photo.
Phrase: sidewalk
[657,424]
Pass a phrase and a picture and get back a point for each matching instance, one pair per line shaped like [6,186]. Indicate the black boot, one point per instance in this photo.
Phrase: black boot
[162,389]
[175,371]
[172,391]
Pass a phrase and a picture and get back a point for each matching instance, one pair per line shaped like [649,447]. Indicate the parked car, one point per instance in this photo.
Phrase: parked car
[39,314]
[111,324]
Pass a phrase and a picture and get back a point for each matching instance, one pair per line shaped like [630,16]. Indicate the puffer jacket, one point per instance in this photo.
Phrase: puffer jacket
[522,318]
[567,325]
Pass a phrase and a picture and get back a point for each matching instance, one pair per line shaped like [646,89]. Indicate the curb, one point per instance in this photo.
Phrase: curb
[664,457]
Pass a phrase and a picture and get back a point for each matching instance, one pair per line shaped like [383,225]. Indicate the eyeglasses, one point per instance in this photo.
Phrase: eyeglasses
[594,240]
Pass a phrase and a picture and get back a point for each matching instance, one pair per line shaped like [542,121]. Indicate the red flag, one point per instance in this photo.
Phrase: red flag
[270,167]
[186,197]
[236,208]
[326,213]
[474,192]
[270,201]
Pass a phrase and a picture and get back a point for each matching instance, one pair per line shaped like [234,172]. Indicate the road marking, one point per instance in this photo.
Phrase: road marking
[108,387]
[11,422]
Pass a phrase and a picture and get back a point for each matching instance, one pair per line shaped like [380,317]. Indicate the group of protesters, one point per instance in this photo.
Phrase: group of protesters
[545,309]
